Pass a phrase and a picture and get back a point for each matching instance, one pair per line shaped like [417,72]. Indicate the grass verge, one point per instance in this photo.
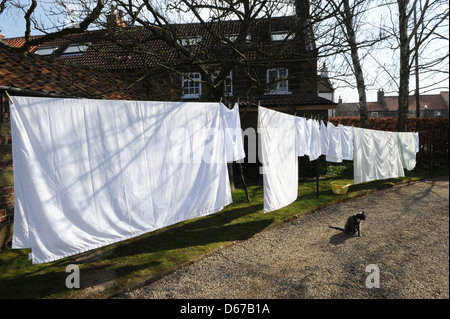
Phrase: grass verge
[132,263]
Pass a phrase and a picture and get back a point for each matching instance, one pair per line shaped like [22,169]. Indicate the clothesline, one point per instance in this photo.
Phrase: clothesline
[376,154]
[85,177]
[89,173]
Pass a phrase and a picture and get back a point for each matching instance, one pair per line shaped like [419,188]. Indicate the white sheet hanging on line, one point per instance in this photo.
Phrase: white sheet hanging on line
[315,149]
[233,133]
[303,136]
[346,142]
[375,155]
[407,144]
[324,139]
[279,158]
[334,153]
[88,173]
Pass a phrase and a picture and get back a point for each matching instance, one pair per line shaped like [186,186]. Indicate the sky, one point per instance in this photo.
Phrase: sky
[14,26]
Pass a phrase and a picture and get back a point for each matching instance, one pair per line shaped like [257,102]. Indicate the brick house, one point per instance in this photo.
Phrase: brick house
[278,69]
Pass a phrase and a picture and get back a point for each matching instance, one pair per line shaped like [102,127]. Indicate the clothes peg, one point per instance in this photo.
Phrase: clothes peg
[9,97]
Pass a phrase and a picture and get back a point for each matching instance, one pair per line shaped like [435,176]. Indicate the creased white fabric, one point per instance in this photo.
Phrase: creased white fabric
[279,158]
[407,145]
[416,138]
[375,155]
[324,139]
[233,133]
[346,142]
[88,173]
[315,148]
[334,153]
[303,136]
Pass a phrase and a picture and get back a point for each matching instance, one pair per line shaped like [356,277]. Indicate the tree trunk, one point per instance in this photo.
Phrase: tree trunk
[357,69]
[403,93]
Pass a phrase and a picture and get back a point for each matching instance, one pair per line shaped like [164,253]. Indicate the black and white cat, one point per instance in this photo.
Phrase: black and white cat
[353,224]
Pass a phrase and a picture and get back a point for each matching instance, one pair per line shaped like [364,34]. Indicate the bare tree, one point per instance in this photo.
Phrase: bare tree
[418,43]
[342,35]
[32,22]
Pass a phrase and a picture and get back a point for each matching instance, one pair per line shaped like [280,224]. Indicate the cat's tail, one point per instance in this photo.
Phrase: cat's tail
[341,229]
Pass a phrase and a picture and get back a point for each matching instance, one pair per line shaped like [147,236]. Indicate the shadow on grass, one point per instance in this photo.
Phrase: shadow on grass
[220,227]
[159,250]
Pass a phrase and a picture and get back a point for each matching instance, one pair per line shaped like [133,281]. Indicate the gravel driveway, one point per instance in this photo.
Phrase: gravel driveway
[405,240]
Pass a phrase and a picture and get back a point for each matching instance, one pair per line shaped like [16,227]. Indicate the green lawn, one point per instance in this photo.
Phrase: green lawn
[138,260]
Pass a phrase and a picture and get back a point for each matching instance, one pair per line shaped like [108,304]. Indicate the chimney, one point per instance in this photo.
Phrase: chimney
[1,36]
[324,71]
[115,20]
[340,101]
[380,98]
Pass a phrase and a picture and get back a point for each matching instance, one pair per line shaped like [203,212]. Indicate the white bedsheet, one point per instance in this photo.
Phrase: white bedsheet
[375,155]
[279,158]
[88,173]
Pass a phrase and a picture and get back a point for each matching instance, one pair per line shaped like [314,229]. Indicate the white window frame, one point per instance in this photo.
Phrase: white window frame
[191,85]
[280,83]
[278,36]
[228,83]
[233,38]
[190,41]
[76,49]
[45,51]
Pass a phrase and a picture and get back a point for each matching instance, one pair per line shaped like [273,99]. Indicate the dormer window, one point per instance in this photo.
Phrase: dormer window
[45,50]
[281,35]
[233,38]
[76,49]
[190,41]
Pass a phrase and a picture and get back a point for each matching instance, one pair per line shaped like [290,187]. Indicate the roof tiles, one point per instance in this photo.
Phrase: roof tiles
[32,72]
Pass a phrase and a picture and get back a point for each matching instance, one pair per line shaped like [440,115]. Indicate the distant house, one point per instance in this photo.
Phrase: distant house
[431,105]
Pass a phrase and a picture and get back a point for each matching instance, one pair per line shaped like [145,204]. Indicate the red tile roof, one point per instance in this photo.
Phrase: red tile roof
[32,72]
[427,102]
[109,50]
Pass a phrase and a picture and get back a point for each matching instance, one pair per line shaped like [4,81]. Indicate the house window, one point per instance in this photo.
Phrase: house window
[46,50]
[190,41]
[228,83]
[277,81]
[192,87]
[76,49]
[233,38]
[281,35]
